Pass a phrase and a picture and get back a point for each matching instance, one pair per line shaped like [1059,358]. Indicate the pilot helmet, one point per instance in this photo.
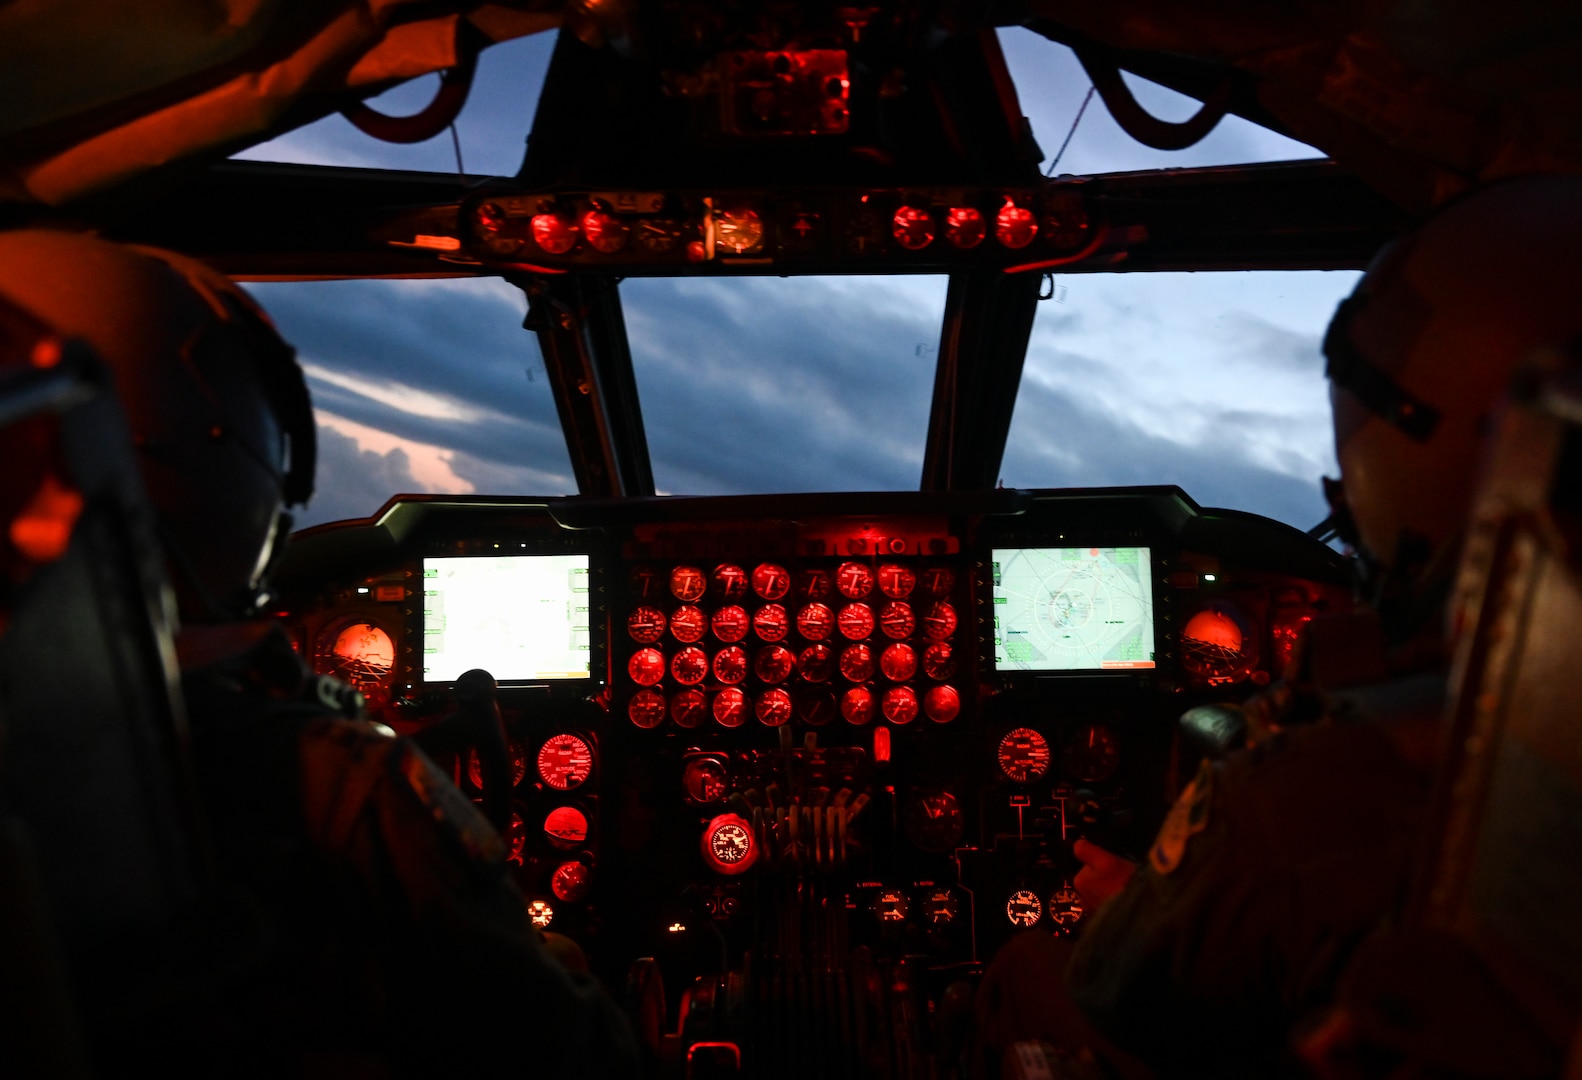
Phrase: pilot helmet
[216,403]
[1423,350]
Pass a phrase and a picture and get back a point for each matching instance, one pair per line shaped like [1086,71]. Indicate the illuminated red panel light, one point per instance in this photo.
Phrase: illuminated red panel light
[566,827]
[898,662]
[688,584]
[939,622]
[565,761]
[730,664]
[570,881]
[687,624]
[815,621]
[554,233]
[771,623]
[942,704]
[896,581]
[688,708]
[770,581]
[730,623]
[774,664]
[646,667]
[774,708]
[913,227]
[939,662]
[1015,226]
[730,707]
[730,581]
[856,705]
[854,580]
[738,230]
[647,708]
[855,621]
[604,232]
[817,663]
[646,624]
[900,705]
[856,663]
[1287,631]
[896,620]
[729,845]
[964,227]
[491,217]
[689,666]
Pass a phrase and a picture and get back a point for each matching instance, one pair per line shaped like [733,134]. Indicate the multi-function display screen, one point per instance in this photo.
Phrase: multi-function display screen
[522,618]
[1073,609]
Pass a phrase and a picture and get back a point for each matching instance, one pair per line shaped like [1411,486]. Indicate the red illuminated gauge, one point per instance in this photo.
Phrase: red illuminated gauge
[815,621]
[1065,907]
[890,906]
[964,227]
[730,664]
[491,217]
[565,761]
[938,580]
[646,667]
[687,623]
[362,653]
[815,705]
[728,844]
[730,581]
[814,585]
[896,620]
[566,827]
[855,621]
[540,914]
[688,708]
[646,624]
[913,228]
[771,622]
[854,580]
[704,781]
[689,666]
[730,707]
[770,581]
[647,708]
[688,584]
[896,581]
[942,704]
[939,663]
[1218,645]
[1023,908]
[1023,755]
[604,232]
[518,766]
[933,822]
[817,663]
[738,230]
[554,233]
[940,907]
[1092,753]
[898,662]
[570,881]
[774,708]
[1015,226]
[658,235]
[730,623]
[856,705]
[900,705]
[774,664]
[856,663]
[939,621]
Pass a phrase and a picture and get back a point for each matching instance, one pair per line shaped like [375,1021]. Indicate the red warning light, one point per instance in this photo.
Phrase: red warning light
[1014,226]
[605,232]
[554,233]
[964,227]
[913,228]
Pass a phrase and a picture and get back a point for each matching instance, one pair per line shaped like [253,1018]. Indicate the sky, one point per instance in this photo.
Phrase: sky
[1213,381]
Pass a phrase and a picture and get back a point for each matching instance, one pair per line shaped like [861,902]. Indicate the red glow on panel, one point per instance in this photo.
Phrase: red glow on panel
[900,704]
[898,662]
[570,881]
[942,704]
[688,708]
[856,663]
[42,531]
[771,623]
[939,662]
[815,621]
[855,621]
[774,708]
[689,666]
[881,745]
[896,620]
[646,625]
[605,232]
[730,665]
[490,217]
[730,707]
[817,663]
[771,581]
[730,623]
[913,228]
[566,827]
[646,667]
[939,622]
[554,233]
[1213,628]
[1015,226]
[964,227]
[1288,631]
[646,709]
[774,664]
[856,705]
[687,624]
[729,845]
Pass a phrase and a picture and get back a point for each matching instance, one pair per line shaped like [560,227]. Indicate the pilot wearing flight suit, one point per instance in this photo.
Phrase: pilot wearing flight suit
[385,936]
[1275,865]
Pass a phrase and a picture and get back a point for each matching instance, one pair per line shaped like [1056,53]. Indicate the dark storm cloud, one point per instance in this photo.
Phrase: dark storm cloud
[353,483]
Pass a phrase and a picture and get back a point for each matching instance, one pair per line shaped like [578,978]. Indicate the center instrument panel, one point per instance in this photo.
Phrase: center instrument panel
[794,746]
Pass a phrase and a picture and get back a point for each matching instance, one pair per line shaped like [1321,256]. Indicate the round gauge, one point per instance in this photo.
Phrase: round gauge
[939,621]
[688,584]
[815,706]
[773,708]
[554,233]
[490,222]
[913,228]
[770,581]
[515,836]
[1024,908]
[730,581]
[900,705]
[896,620]
[647,583]
[1065,906]
[933,822]
[964,227]
[728,844]
[658,235]
[730,707]
[646,667]
[704,781]
[647,708]
[1219,645]
[856,705]
[938,661]
[774,664]
[362,654]
[687,623]
[570,881]
[816,663]
[940,907]
[565,761]
[865,232]
[518,758]
[856,663]
[855,621]
[771,623]
[730,664]
[738,230]
[604,232]
[942,704]
[688,708]
[938,580]
[1015,226]
[1023,755]
[730,623]
[890,906]
[814,585]
[540,914]
[1092,753]
[896,581]
[566,827]
[815,621]
[646,625]
[689,666]
[854,580]
[898,662]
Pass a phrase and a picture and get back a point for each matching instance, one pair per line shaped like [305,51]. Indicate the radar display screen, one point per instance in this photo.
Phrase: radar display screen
[522,618]
[1073,609]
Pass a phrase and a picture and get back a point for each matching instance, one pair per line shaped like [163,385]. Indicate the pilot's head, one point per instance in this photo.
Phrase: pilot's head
[215,400]
[1424,349]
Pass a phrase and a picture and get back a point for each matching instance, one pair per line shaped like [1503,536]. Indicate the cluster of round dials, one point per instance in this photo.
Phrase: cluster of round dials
[1090,754]
[855,640]
[1025,908]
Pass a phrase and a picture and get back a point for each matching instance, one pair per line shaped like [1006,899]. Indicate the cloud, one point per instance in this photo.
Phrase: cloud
[353,482]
